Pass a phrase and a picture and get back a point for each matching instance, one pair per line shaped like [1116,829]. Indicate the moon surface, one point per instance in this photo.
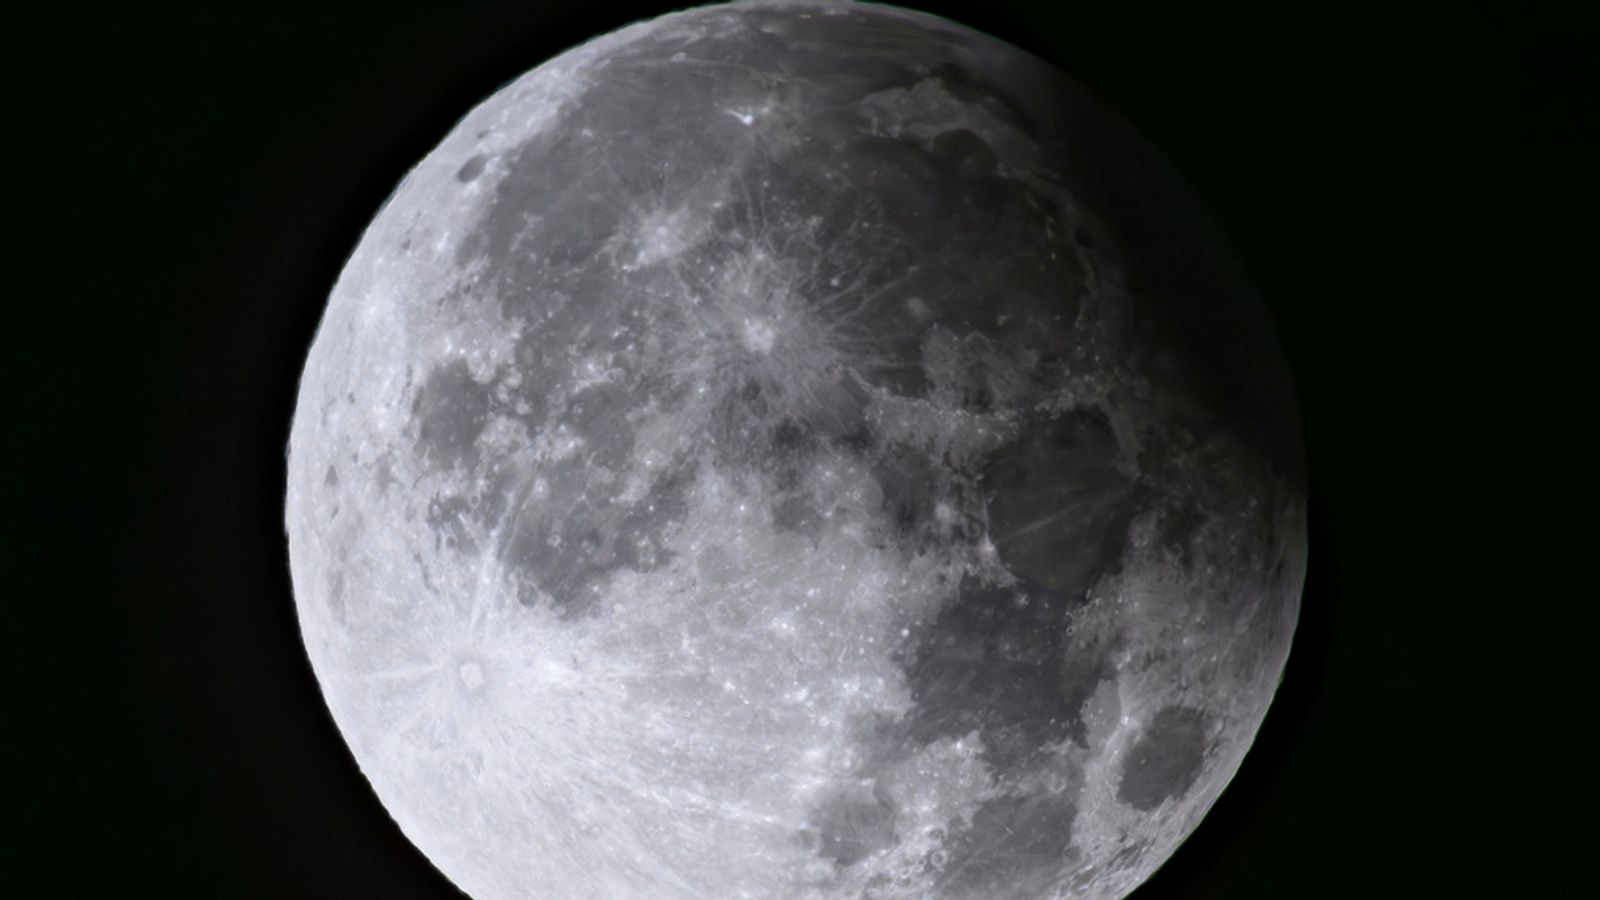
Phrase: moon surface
[795,450]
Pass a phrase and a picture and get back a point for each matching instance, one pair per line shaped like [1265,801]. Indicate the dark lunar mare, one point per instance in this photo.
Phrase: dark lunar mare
[1059,502]
[994,661]
[1166,759]
[1015,846]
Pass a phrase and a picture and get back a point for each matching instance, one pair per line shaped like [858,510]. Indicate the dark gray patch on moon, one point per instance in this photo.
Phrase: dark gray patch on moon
[1016,846]
[964,154]
[994,661]
[1166,759]
[451,411]
[1060,507]
[599,414]
[796,514]
[911,488]
[852,823]
[943,245]
[571,535]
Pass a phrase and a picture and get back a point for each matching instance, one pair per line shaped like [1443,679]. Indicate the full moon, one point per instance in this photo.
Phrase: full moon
[795,450]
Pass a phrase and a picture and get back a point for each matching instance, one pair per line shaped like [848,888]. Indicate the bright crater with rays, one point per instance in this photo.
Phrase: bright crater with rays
[795,450]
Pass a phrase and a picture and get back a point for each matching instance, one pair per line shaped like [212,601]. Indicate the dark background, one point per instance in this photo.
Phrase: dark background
[1411,187]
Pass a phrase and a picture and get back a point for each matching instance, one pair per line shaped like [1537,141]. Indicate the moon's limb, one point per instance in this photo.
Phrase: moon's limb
[741,461]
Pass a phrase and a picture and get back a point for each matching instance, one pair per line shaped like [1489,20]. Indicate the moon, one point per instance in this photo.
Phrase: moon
[795,450]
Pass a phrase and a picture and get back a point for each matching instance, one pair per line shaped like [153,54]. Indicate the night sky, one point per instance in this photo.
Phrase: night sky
[1411,189]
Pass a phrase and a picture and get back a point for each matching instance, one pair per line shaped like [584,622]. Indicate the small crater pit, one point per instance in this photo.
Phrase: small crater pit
[472,168]
[471,675]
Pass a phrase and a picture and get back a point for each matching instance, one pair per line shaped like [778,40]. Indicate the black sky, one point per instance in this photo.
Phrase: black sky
[1411,187]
